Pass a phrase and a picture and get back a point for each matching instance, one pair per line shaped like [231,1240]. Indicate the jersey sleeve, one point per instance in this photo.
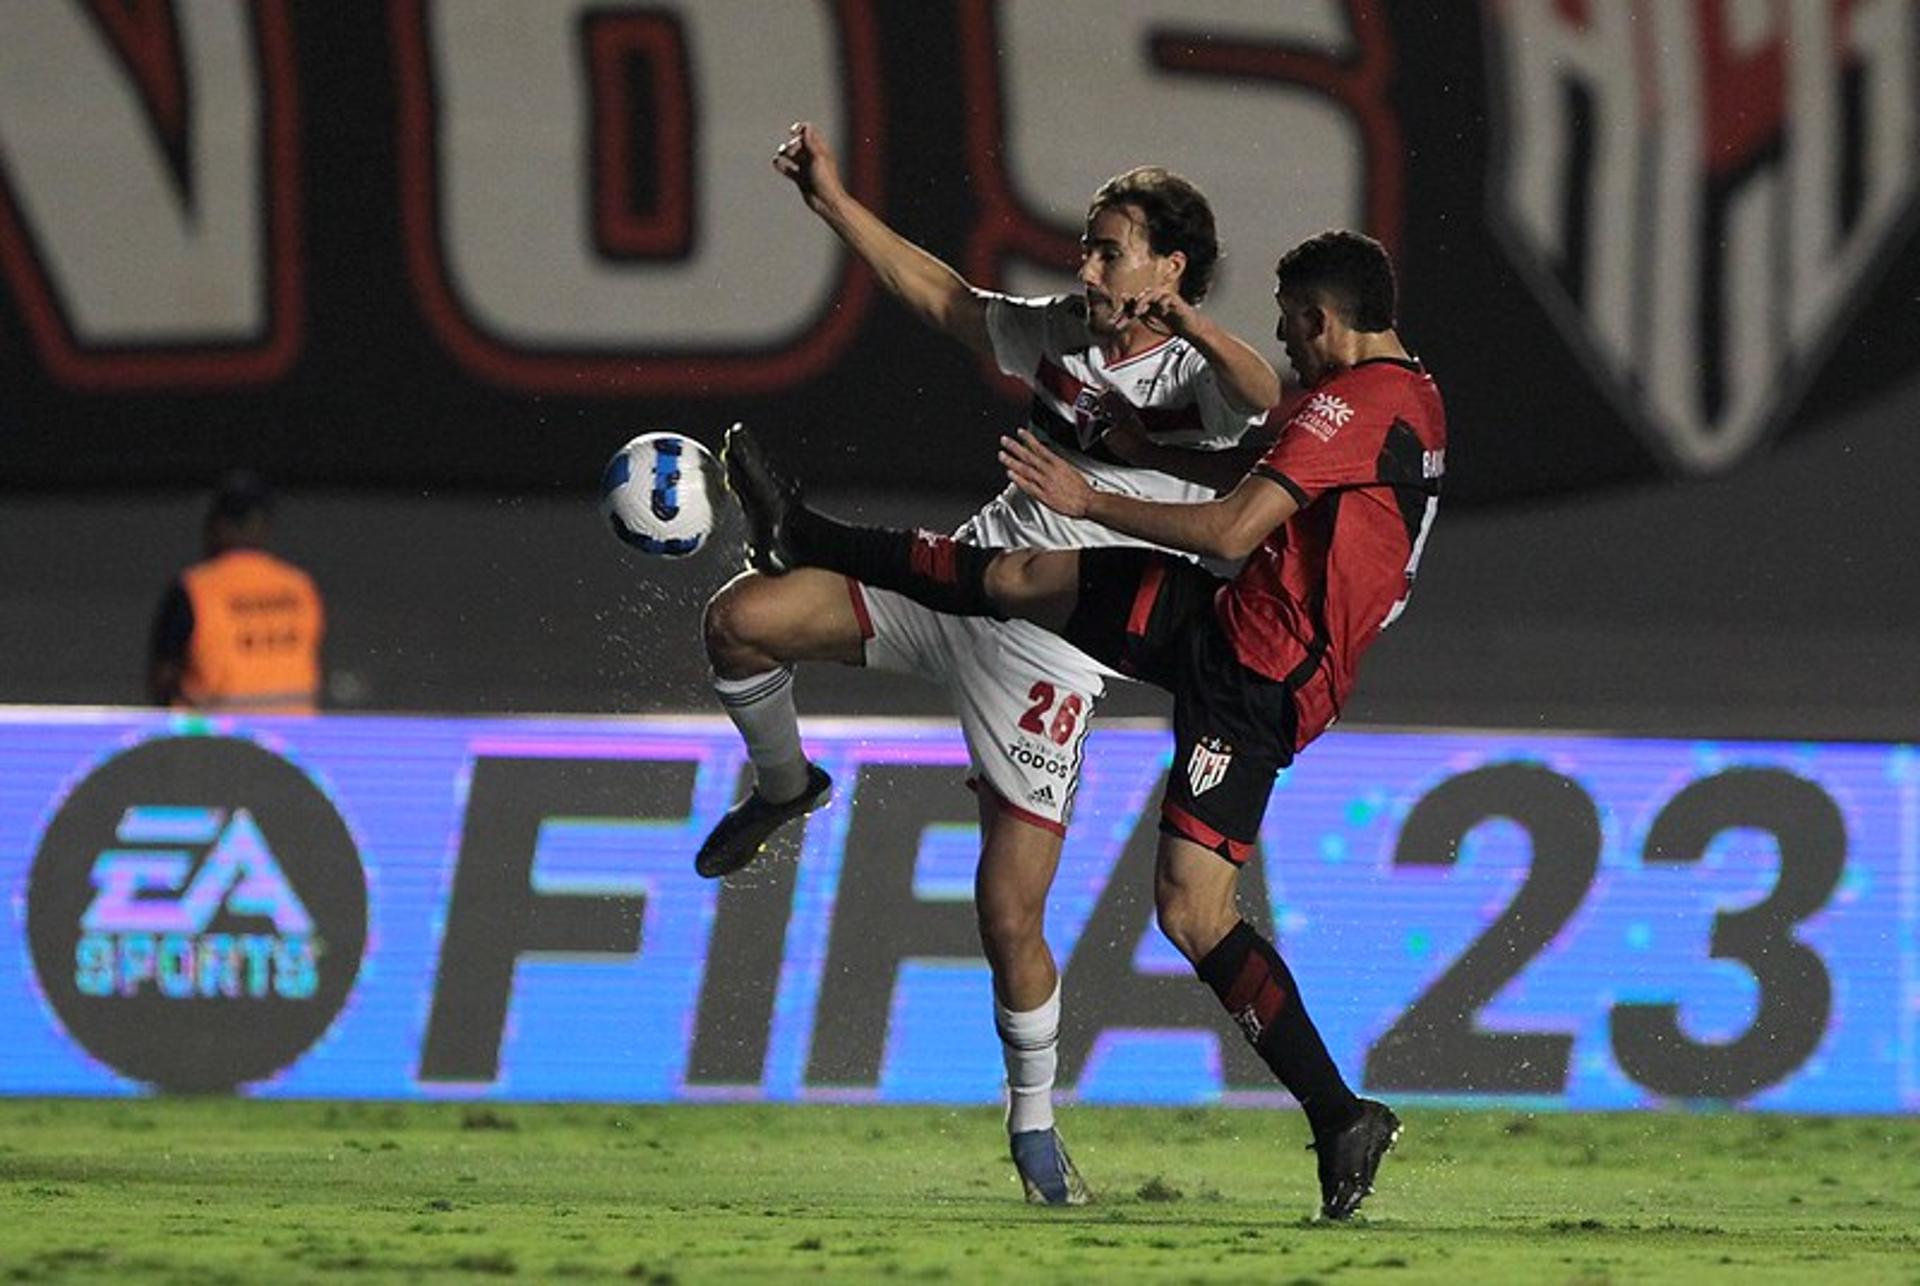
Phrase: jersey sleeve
[1023,331]
[1195,415]
[1318,449]
[1220,425]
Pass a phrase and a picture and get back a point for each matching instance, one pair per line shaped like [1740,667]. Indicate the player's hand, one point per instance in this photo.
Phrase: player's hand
[1045,476]
[807,161]
[1160,308]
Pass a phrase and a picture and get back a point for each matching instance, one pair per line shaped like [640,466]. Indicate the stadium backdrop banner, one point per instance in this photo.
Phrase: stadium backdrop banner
[506,909]
[472,243]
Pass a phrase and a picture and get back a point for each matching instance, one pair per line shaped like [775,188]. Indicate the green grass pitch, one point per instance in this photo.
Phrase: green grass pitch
[228,1191]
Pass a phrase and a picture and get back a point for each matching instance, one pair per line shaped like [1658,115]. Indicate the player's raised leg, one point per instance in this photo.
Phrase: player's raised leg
[1018,858]
[938,571]
[1194,900]
[756,627]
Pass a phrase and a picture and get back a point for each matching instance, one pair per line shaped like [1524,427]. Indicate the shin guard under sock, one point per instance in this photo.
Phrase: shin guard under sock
[761,707]
[1030,1047]
[937,571]
[1258,990]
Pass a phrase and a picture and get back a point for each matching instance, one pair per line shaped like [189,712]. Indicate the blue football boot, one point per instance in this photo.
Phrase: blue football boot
[1046,1171]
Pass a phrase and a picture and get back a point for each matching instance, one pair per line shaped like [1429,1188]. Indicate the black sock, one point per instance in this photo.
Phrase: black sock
[937,571]
[1258,990]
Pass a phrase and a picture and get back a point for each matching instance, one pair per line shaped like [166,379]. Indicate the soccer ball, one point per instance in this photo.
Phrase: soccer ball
[657,493]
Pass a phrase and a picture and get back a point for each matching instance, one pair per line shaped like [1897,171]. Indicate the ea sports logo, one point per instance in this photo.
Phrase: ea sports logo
[197,913]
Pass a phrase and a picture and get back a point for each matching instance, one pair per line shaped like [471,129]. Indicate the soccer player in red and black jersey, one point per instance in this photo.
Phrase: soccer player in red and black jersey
[1331,522]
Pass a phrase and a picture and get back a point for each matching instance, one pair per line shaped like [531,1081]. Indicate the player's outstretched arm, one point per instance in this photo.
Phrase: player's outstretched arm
[936,293]
[1219,470]
[1247,380]
[1230,527]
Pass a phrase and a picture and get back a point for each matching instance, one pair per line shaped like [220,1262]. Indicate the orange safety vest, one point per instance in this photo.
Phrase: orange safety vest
[257,624]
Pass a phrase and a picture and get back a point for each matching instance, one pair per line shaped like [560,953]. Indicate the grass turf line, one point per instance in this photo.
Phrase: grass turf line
[234,1191]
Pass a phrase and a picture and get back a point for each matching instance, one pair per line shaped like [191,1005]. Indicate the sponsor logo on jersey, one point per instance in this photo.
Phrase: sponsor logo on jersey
[1323,416]
[1702,194]
[1208,764]
[196,913]
[1029,752]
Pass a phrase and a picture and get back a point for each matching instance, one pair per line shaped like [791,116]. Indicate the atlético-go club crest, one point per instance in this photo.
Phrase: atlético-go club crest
[1207,766]
[1701,192]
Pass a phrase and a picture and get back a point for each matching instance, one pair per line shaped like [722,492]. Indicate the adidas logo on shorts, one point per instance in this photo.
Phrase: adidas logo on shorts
[1042,796]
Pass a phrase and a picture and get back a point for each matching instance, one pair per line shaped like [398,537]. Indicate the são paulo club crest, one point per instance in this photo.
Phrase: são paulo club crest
[197,913]
[1702,192]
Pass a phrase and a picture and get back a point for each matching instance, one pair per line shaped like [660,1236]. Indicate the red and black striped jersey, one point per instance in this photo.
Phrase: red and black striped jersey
[1363,455]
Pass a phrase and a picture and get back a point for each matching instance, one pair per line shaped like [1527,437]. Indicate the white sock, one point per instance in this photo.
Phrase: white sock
[761,707]
[1030,1044]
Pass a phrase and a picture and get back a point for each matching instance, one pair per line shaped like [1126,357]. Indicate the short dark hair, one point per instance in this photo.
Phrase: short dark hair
[240,495]
[1350,269]
[1177,217]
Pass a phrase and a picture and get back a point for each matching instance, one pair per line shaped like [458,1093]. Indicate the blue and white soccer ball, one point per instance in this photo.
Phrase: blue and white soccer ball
[658,494]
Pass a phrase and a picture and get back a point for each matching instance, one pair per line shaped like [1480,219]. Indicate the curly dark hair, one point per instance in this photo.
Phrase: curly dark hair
[1177,217]
[1350,270]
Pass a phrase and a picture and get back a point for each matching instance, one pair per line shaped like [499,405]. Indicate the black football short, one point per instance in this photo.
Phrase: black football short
[1150,615]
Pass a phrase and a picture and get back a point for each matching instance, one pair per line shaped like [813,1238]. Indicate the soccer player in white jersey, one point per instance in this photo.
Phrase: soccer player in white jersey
[1132,336]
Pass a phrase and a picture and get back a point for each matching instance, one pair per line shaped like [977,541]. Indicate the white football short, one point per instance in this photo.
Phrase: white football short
[1024,696]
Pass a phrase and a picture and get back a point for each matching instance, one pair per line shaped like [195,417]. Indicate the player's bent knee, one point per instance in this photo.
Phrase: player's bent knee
[736,626]
[1175,925]
[1008,929]
[1005,579]
[1192,923]
[1015,579]
[755,622]
[1034,584]
[720,622]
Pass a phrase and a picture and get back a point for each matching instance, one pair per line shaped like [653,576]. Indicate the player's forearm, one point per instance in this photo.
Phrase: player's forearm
[1248,380]
[1219,470]
[1207,528]
[940,296]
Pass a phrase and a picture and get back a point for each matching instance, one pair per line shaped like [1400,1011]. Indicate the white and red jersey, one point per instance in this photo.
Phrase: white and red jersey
[1045,344]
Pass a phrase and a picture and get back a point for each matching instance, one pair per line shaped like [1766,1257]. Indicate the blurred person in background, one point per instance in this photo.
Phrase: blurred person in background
[241,629]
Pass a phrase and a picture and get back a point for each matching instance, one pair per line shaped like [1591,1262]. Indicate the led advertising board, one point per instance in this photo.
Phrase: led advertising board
[506,908]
